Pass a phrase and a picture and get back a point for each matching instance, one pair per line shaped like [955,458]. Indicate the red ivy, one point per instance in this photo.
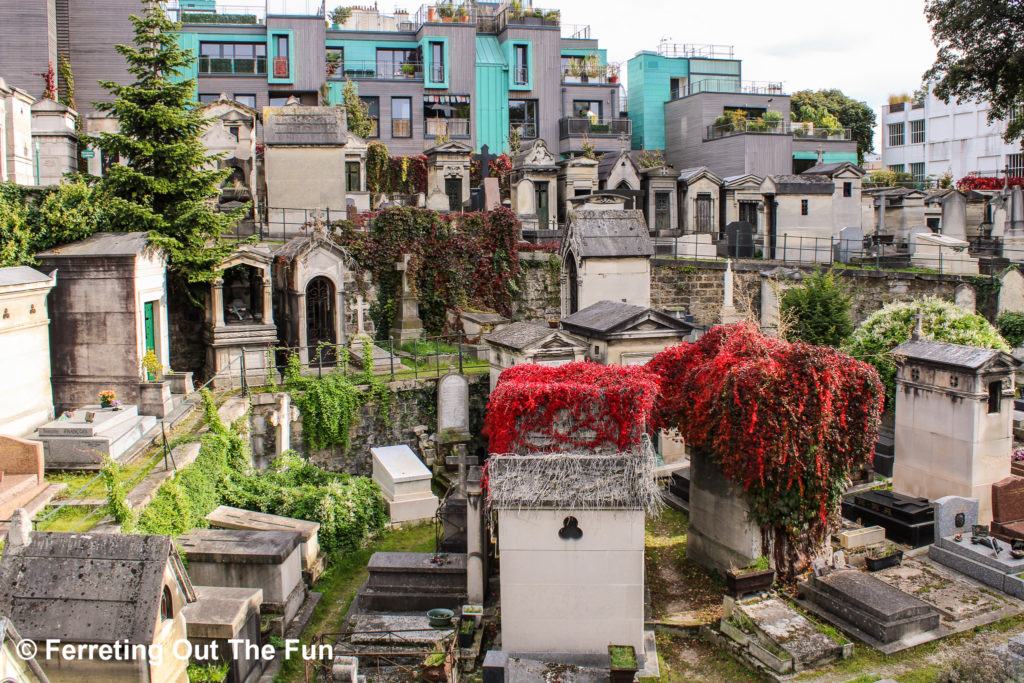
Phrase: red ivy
[605,407]
[973,182]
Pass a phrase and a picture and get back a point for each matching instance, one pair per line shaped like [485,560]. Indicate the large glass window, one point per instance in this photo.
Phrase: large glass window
[401,117]
[393,63]
[917,170]
[373,111]
[522,117]
[232,58]
[590,109]
[335,61]
[895,134]
[437,62]
[917,132]
[352,176]
[446,115]
[522,68]
[248,99]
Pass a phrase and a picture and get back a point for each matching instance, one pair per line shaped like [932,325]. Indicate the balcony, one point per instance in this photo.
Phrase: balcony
[527,16]
[192,12]
[582,126]
[590,74]
[386,71]
[728,85]
[797,130]
[450,128]
[576,31]
[690,50]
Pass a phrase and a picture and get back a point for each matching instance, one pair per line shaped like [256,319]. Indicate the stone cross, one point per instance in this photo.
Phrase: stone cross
[821,154]
[362,307]
[462,460]
[728,283]
[485,158]
[403,267]
[623,139]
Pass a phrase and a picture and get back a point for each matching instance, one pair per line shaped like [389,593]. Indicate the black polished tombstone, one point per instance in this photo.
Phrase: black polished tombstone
[905,519]
[739,239]
[680,484]
[452,514]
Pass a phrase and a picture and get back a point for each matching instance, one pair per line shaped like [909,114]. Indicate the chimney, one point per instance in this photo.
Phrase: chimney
[20,533]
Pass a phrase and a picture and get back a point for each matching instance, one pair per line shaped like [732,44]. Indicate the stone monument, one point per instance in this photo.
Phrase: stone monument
[405,482]
[21,477]
[448,167]
[534,187]
[729,313]
[225,517]
[406,325]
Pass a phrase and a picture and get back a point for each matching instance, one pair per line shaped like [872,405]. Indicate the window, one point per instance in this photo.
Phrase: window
[352,177]
[282,46]
[233,132]
[847,189]
[373,111]
[208,97]
[522,117]
[335,61]
[247,99]
[934,223]
[917,132]
[897,168]
[803,207]
[282,66]
[446,115]
[166,604]
[522,68]
[437,62]
[232,58]
[401,117]
[917,170]
[587,109]
[279,100]
[393,63]
[995,395]
[1015,165]
[895,134]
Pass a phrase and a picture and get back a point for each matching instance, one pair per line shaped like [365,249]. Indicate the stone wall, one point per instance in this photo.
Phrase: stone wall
[186,331]
[541,297]
[415,404]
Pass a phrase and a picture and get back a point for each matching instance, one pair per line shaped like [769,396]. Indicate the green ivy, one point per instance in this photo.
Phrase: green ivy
[819,310]
[116,504]
[1011,326]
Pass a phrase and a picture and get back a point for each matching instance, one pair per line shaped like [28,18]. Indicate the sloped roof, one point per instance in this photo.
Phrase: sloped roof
[689,175]
[832,169]
[609,160]
[488,51]
[519,335]
[609,233]
[610,317]
[21,275]
[87,588]
[802,184]
[956,355]
[104,244]
[737,180]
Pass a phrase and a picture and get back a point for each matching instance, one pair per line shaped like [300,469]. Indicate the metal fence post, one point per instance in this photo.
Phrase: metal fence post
[460,352]
[245,386]
[391,351]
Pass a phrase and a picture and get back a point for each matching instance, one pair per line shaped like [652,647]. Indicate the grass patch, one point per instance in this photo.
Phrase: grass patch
[94,487]
[684,658]
[346,572]
[72,517]
[423,347]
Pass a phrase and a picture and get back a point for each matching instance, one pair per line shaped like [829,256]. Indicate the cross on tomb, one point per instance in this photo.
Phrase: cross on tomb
[485,158]
[403,267]
[462,460]
[821,154]
[362,308]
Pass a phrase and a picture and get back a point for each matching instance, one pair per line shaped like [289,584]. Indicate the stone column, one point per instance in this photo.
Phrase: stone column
[475,578]
[268,298]
[218,302]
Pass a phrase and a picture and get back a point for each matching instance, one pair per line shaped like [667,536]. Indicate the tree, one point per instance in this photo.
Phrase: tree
[357,112]
[819,311]
[981,56]
[857,116]
[165,185]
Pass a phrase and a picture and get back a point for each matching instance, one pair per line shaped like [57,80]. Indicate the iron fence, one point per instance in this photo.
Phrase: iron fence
[579,126]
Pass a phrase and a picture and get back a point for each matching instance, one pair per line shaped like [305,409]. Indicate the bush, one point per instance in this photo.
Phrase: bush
[1011,326]
[886,329]
[820,311]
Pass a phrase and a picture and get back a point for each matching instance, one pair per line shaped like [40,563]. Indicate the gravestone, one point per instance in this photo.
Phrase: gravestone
[223,614]
[740,239]
[407,325]
[955,515]
[492,194]
[965,297]
[74,442]
[975,556]
[237,558]
[851,243]
[21,476]
[954,215]
[905,519]
[1008,508]
[225,517]
[405,482]
[453,407]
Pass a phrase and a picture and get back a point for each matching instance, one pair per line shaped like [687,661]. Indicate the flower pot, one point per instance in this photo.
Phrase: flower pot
[742,583]
[180,382]
[431,14]
[613,79]
[440,618]
[446,20]
[878,563]
[622,673]
[465,639]
[155,399]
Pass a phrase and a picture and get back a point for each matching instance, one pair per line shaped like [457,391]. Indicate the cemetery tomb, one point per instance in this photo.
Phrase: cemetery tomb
[680,484]
[238,558]
[225,517]
[779,636]
[981,561]
[405,482]
[858,538]
[906,519]
[27,401]
[221,614]
[884,616]
[21,477]
[414,582]
[80,439]
[1008,508]
[721,535]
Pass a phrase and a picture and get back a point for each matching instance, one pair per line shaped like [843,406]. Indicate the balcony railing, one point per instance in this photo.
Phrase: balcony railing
[797,130]
[593,75]
[527,131]
[409,71]
[521,75]
[667,49]
[448,13]
[527,16]
[583,126]
[576,31]
[452,128]
[730,85]
[233,14]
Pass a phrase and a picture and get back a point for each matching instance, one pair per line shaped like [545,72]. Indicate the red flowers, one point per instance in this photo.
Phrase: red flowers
[972,182]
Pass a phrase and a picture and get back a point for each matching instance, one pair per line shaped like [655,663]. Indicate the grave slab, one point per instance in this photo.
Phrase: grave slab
[777,622]
[405,482]
[226,517]
[75,442]
[852,539]
[906,519]
[408,582]
[981,563]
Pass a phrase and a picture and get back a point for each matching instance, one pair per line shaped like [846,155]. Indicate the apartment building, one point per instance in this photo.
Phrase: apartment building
[929,138]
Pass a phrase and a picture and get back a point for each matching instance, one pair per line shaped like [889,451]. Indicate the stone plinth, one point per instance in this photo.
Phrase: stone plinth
[721,535]
[21,474]
[221,614]
[225,517]
[236,558]
[858,538]
[155,399]
[696,246]
[981,563]
[414,582]
[75,443]
[405,482]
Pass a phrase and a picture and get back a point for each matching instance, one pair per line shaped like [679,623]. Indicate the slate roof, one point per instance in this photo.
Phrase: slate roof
[519,335]
[297,246]
[606,317]
[87,588]
[802,184]
[21,275]
[688,174]
[238,545]
[610,233]
[103,244]
[832,169]
[957,355]
[609,160]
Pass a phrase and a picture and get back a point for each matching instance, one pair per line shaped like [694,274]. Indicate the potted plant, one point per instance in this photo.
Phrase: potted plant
[435,667]
[755,577]
[533,17]
[154,394]
[339,15]
[516,10]
[108,398]
[553,17]
[408,69]
[613,73]
[446,10]
[462,15]
[889,557]
[466,629]
[624,664]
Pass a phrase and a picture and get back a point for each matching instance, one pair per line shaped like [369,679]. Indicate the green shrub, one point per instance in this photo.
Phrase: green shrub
[819,310]
[209,18]
[889,327]
[1011,326]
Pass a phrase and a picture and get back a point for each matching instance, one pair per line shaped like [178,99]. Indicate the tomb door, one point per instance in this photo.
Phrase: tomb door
[150,331]
[574,294]
[320,317]
[541,195]
[661,210]
[453,188]
[748,212]
[702,207]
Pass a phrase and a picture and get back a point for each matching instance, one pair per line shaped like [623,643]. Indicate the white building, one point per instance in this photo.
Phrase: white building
[933,138]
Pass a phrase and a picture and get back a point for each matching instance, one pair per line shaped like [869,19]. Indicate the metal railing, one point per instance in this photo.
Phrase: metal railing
[579,126]
[593,75]
[228,14]
[576,31]
[295,8]
[797,130]
[730,85]
[706,51]
[388,71]
[527,16]
[454,128]
[527,131]
[387,652]
[448,13]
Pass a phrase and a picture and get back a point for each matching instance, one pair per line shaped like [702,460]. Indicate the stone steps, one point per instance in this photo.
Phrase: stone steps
[43,495]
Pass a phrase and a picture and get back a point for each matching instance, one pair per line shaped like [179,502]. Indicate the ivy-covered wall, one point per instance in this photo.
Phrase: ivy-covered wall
[414,404]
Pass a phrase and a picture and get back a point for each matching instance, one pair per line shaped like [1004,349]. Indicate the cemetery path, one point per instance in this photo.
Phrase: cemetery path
[679,588]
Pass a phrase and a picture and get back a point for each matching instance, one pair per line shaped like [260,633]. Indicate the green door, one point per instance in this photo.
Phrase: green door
[541,197]
[150,332]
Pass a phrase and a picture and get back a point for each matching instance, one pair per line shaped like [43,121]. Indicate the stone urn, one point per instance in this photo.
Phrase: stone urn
[180,382]
[155,398]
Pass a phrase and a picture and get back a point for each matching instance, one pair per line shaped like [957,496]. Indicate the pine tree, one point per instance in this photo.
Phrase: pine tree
[165,185]
[819,311]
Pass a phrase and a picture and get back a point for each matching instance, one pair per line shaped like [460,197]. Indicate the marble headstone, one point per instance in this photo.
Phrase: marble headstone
[453,404]
[955,515]
[405,482]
